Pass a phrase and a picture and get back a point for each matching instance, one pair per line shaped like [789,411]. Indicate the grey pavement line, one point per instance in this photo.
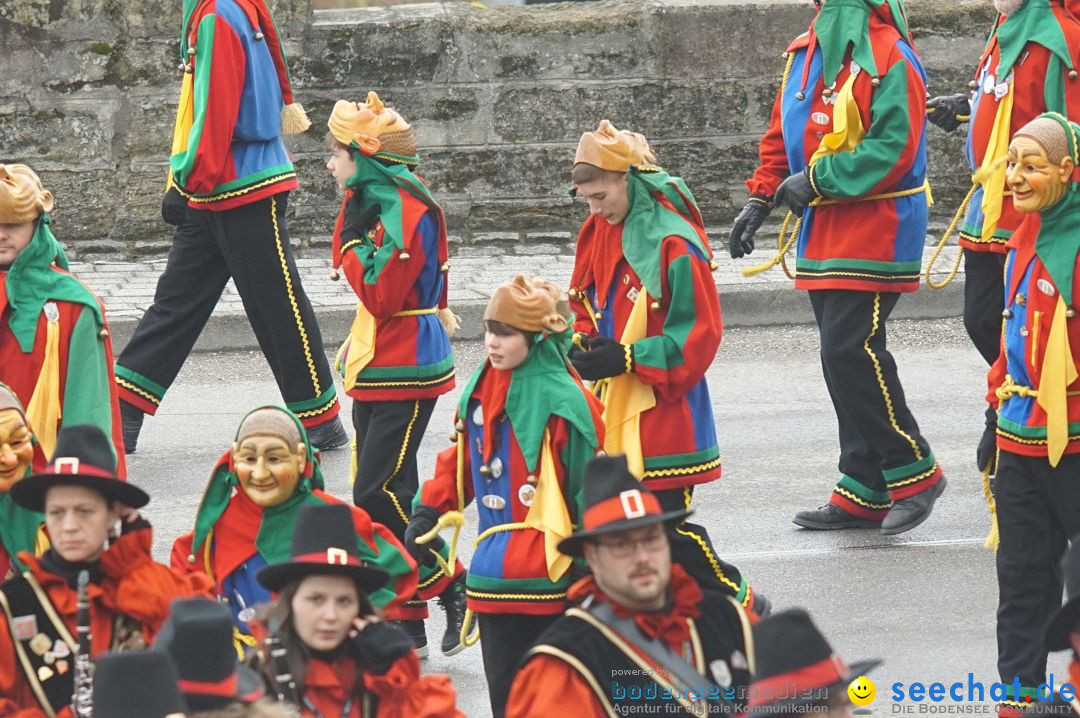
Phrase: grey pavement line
[838,549]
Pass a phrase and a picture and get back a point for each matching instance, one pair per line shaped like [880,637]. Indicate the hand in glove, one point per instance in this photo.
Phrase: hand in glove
[358,220]
[754,212]
[174,207]
[424,518]
[376,644]
[986,454]
[949,111]
[601,357]
[796,192]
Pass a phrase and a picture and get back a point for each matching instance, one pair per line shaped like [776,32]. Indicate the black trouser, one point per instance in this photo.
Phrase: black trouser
[505,638]
[877,431]
[1038,509]
[251,245]
[692,548]
[984,300]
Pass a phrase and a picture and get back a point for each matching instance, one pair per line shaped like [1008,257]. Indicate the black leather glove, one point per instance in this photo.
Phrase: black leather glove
[796,192]
[754,212]
[358,220]
[601,357]
[986,454]
[424,518]
[174,207]
[379,645]
[949,111]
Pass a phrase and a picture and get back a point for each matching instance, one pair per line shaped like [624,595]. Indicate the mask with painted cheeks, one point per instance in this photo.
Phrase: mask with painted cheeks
[1036,181]
[269,468]
[16,448]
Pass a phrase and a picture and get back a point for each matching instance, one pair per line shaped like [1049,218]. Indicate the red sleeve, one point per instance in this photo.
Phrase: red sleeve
[772,159]
[142,588]
[404,693]
[440,492]
[219,85]
[583,323]
[385,292]
[547,686]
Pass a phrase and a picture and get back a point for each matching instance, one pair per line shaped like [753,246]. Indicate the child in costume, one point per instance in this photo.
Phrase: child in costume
[858,201]
[247,514]
[1029,66]
[390,242]
[1033,384]
[646,304]
[55,351]
[525,429]
[20,454]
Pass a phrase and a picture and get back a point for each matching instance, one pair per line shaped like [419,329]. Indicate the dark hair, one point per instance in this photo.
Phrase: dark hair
[584,173]
[501,329]
[333,143]
[279,615]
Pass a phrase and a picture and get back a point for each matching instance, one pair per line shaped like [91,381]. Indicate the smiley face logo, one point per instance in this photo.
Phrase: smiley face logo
[862,691]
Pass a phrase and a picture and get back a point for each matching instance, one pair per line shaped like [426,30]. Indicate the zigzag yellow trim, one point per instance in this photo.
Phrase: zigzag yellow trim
[315,412]
[915,479]
[1031,442]
[713,562]
[428,382]
[292,300]
[516,596]
[400,461]
[683,471]
[350,244]
[439,573]
[131,387]
[883,278]
[881,378]
[857,499]
[239,192]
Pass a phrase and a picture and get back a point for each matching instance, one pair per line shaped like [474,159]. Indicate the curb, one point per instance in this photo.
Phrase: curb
[743,306]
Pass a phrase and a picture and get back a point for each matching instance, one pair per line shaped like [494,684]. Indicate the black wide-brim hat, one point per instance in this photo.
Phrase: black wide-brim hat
[795,660]
[83,457]
[615,501]
[324,543]
[137,683]
[1067,617]
[198,638]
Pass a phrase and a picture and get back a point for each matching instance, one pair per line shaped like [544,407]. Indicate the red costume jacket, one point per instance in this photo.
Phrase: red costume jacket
[133,585]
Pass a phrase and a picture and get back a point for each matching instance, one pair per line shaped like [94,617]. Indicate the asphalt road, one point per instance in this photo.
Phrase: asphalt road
[923,601]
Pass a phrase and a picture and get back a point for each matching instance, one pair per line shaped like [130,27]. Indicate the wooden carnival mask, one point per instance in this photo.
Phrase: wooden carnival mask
[16,447]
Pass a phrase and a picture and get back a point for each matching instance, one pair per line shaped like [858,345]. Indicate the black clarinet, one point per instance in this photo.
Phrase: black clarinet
[277,656]
[82,697]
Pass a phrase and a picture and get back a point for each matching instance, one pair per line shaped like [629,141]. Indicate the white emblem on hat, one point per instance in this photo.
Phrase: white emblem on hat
[632,504]
[66,465]
[337,555]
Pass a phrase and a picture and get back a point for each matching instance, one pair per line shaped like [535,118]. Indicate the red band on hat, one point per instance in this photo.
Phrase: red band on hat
[817,675]
[627,505]
[330,557]
[71,466]
[225,688]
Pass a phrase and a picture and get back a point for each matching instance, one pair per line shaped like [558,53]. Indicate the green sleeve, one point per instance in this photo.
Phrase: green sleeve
[87,384]
[575,455]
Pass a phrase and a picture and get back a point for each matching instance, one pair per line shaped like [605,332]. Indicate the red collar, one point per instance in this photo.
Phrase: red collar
[491,391]
[671,624]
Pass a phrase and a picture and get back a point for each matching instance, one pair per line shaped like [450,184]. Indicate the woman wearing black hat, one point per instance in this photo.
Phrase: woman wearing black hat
[340,658]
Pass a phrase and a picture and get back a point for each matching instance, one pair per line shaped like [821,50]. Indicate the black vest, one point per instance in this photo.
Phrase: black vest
[721,648]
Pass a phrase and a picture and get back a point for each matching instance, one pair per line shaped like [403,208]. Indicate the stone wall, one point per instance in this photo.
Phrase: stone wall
[498,96]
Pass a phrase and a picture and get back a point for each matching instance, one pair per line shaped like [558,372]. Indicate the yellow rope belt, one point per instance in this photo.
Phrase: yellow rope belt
[1009,388]
[416,312]
[786,240]
[499,529]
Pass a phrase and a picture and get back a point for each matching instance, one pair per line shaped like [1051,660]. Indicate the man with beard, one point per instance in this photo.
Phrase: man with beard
[1029,66]
[643,637]
[858,201]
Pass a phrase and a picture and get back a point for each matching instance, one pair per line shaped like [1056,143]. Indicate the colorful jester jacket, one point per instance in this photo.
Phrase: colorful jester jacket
[87,389]
[858,239]
[683,331]
[239,544]
[509,572]
[233,154]
[1031,296]
[402,290]
[1038,82]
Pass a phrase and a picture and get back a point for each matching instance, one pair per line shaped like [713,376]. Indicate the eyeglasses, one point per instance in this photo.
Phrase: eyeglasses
[624,546]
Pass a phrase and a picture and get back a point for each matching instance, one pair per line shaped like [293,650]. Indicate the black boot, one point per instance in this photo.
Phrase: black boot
[831,517]
[908,513]
[131,419]
[452,600]
[416,632]
[328,436]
